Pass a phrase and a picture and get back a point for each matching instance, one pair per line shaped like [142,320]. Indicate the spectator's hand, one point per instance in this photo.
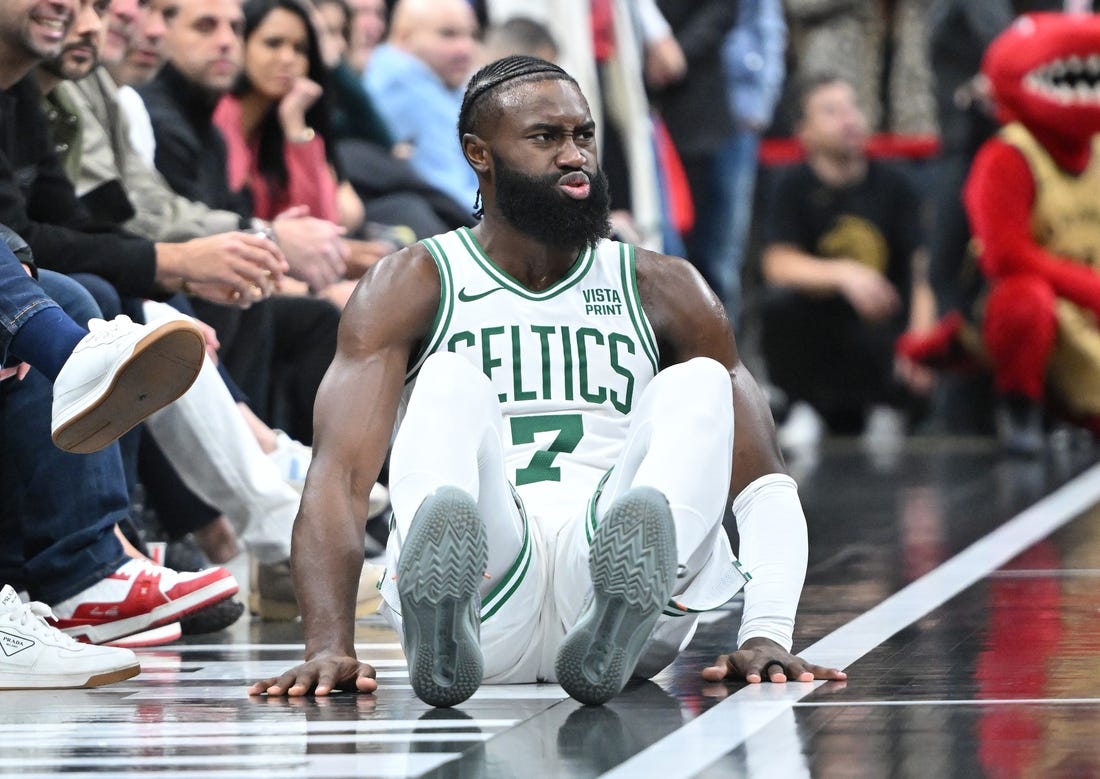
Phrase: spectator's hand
[224,295]
[918,378]
[623,227]
[236,268]
[18,371]
[314,248]
[870,293]
[292,108]
[321,676]
[363,254]
[340,293]
[665,62]
[210,336]
[760,658]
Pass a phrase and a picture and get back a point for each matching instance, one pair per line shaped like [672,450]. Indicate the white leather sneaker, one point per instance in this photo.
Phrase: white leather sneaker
[293,458]
[120,373]
[34,655]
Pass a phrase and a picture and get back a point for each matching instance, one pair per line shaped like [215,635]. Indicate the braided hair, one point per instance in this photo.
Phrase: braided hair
[506,72]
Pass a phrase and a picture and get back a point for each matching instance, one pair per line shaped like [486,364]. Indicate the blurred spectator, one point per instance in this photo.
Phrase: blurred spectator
[880,47]
[959,33]
[518,35]
[700,27]
[373,163]
[277,353]
[353,113]
[753,56]
[416,80]
[275,122]
[367,29]
[37,200]
[842,259]
[60,510]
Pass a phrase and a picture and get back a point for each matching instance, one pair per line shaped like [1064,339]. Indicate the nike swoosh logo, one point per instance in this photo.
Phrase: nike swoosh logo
[467,298]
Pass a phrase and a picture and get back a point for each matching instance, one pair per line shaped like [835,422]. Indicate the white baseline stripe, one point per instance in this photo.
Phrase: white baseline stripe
[958,702]
[730,723]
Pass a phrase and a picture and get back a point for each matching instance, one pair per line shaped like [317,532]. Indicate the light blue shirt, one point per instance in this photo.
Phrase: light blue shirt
[421,110]
[753,58]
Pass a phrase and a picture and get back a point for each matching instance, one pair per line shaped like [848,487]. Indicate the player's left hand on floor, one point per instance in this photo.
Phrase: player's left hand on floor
[761,659]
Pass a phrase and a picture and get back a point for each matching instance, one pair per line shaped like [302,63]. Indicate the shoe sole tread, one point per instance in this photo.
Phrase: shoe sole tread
[632,561]
[438,577]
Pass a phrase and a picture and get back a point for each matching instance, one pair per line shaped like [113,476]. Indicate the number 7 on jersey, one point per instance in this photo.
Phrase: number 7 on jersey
[541,468]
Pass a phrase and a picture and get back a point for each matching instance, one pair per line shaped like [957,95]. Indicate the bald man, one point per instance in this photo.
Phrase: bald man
[416,80]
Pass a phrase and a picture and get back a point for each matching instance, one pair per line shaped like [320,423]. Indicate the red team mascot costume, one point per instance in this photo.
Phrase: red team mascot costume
[1033,200]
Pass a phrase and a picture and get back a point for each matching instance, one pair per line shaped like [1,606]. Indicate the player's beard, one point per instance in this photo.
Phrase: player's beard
[536,206]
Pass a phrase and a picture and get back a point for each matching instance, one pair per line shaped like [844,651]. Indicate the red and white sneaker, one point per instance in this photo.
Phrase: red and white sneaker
[137,597]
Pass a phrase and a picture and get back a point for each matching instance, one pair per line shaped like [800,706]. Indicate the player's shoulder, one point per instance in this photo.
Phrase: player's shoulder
[410,261]
[662,271]
[670,287]
[395,302]
[685,314]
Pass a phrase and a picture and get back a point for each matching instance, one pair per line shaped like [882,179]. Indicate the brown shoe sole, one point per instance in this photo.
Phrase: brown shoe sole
[162,367]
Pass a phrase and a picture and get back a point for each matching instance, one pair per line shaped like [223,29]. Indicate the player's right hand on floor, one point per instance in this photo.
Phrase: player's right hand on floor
[320,676]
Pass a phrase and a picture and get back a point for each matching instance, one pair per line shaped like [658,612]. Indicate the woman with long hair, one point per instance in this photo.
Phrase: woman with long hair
[276,121]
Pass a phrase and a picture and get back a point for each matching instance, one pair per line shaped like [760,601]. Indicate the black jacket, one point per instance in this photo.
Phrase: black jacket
[39,202]
[190,149]
[696,110]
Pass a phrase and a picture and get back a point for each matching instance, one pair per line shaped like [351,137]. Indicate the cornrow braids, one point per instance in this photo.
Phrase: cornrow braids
[518,68]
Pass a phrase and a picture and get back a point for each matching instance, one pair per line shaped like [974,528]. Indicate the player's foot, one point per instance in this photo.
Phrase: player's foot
[120,373]
[633,566]
[36,655]
[441,566]
[137,597]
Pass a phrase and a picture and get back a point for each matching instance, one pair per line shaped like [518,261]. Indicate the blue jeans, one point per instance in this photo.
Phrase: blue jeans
[722,223]
[20,298]
[59,509]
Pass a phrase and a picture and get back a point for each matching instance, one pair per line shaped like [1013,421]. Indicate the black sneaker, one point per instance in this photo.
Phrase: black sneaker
[1019,423]
[633,566]
[440,569]
[213,618]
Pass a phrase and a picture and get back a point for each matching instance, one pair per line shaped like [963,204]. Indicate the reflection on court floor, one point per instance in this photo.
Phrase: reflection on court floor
[959,590]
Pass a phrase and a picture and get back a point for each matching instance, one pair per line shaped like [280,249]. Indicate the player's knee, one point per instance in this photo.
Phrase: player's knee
[453,378]
[701,387]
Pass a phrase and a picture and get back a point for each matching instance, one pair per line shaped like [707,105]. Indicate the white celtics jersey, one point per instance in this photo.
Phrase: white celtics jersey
[568,363]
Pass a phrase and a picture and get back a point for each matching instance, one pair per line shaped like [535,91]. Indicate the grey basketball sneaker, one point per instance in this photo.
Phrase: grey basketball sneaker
[633,564]
[441,566]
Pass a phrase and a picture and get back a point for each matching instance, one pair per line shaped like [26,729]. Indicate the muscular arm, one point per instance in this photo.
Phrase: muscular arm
[356,405]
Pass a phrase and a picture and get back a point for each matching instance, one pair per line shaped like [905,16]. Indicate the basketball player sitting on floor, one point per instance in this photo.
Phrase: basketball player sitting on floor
[567,411]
